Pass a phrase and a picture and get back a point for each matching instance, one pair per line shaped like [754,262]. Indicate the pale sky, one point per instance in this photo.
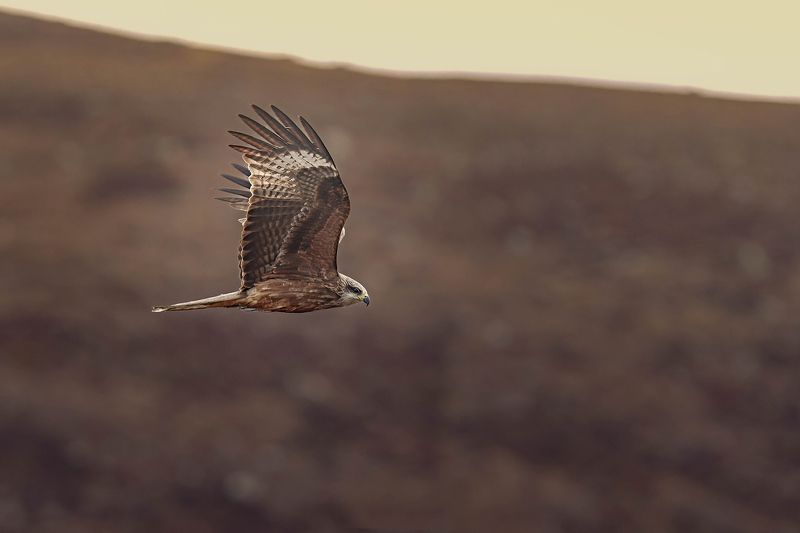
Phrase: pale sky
[743,47]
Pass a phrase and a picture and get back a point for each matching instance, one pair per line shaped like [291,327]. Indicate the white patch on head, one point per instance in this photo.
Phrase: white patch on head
[349,296]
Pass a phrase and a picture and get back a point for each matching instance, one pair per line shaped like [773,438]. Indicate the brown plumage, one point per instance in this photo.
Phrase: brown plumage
[296,207]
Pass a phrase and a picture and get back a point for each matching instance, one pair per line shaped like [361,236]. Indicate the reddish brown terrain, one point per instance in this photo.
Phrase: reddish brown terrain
[585,305]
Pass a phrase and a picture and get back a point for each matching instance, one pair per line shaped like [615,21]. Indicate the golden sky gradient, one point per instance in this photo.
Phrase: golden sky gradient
[743,47]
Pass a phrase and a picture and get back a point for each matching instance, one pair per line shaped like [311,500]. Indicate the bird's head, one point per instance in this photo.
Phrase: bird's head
[353,292]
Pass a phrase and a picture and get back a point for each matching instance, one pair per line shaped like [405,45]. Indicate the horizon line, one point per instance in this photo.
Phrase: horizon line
[443,75]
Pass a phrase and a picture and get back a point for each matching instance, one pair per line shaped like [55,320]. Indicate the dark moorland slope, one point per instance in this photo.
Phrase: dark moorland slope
[585,305]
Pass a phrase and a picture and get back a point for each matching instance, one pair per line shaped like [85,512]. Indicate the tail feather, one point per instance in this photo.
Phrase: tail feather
[230,299]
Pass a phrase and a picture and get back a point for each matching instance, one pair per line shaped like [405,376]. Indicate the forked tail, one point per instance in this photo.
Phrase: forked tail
[230,299]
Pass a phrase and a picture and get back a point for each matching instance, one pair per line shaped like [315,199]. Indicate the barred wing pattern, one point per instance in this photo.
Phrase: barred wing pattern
[296,205]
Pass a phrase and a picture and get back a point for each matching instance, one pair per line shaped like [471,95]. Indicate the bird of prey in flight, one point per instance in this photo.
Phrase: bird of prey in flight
[295,207]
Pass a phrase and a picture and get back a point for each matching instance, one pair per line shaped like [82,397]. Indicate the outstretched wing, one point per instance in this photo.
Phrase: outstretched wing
[296,206]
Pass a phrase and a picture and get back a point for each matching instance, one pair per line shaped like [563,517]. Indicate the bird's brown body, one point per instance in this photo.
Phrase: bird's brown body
[293,296]
[296,206]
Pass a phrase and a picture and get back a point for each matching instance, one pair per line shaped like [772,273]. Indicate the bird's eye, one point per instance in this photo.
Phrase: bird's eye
[355,290]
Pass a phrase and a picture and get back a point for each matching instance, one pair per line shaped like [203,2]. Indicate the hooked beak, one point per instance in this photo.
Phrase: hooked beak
[366,300]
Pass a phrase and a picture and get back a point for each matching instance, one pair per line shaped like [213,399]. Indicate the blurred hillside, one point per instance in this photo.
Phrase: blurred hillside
[584,311]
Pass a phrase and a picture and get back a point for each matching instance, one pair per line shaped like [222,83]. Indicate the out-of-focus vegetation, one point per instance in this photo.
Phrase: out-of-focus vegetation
[585,309]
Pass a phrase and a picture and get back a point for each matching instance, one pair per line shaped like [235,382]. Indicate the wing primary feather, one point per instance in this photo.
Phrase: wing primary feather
[230,200]
[238,192]
[238,181]
[287,136]
[312,133]
[236,203]
[291,126]
[241,168]
[249,139]
[246,150]
[267,134]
